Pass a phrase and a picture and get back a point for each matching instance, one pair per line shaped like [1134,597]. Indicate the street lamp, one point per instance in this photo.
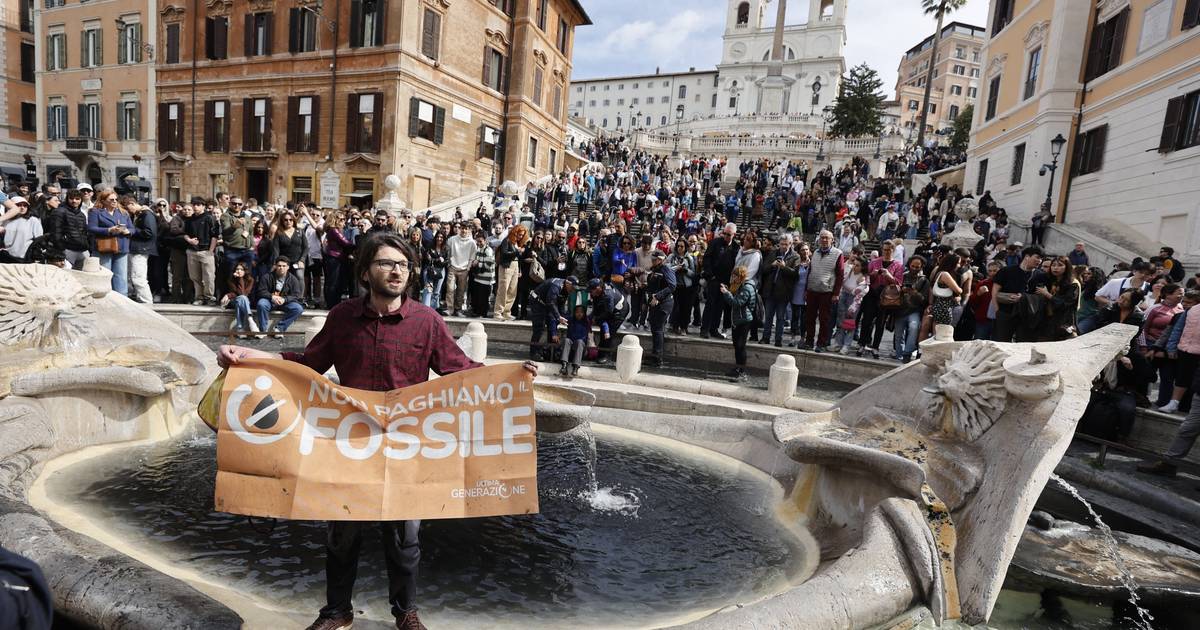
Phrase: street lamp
[678,119]
[816,90]
[496,139]
[631,125]
[1056,147]
[827,118]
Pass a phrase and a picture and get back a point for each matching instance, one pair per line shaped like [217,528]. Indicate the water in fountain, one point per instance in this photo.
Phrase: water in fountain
[666,535]
[1114,553]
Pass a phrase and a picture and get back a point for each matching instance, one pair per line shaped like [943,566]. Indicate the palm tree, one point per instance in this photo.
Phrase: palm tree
[938,8]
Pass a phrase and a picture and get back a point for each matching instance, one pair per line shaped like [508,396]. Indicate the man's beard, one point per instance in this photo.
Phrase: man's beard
[381,287]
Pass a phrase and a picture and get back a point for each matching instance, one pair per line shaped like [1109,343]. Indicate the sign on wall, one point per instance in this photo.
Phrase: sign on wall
[330,189]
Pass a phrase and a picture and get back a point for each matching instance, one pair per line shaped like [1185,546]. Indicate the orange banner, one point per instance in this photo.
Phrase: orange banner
[293,444]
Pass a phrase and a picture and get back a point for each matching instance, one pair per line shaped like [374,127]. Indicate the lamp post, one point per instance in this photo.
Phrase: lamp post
[631,125]
[816,97]
[1056,147]
[828,115]
[678,119]
[495,137]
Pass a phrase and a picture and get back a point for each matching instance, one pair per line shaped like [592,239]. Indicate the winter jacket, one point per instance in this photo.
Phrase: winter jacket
[67,228]
[144,239]
[744,303]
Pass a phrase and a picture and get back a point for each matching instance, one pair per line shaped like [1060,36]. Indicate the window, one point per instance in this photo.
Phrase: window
[683,91]
[170,127]
[932,108]
[956,90]
[302,30]
[664,120]
[1108,41]
[56,122]
[216,126]
[960,70]
[604,124]
[607,102]
[493,69]
[25,16]
[216,38]
[257,36]
[304,114]
[431,33]
[732,102]
[29,117]
[564,35]
[256,124]
[609,87]
[129,120]
[537,85]
[541,13]
[981,182]
[960,52]
[618,122]
[620,101]
[743,14]
[489,139]
[28,73]
[592,103]
[714,101]
[972,92]
[1191,14]
[507,6]
[367,19]
[649,100]
[364,123]
[975,73]
[89,120]
[634,101]
[1003,15]
[50,4]
[129,43]
[553,161]
[914,105]
[953,112]
[556,107]
[56,51]
[1089,151]
[648,121]
[1018,164]
[91,52]
[1031,75]
[533,152]
[993,97]
[591,88]
[1181,128]
[426,120]
[302,189]
[621,86]
[172,43]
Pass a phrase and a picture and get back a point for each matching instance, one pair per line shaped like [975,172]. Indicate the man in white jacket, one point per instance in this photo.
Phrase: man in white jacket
[461,249]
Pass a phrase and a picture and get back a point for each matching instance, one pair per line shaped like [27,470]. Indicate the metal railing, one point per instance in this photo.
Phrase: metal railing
[81,143]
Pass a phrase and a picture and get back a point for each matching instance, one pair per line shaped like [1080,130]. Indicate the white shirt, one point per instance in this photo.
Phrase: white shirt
[462,251]
[1113,288]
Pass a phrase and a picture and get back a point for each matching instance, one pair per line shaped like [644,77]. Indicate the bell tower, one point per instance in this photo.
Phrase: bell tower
[744,16]
[826,12]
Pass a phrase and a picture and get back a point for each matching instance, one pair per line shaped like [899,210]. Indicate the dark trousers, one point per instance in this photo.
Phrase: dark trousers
[608,346]
[157,272]
[480,295]
[658,324]
[543,323]
[741,332]
[335,280]
[401,550]
[1006,323]
[818,308]
[684,299]
[713,303]
[870,331]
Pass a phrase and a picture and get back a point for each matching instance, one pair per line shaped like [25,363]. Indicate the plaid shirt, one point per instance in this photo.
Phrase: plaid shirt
[381,353]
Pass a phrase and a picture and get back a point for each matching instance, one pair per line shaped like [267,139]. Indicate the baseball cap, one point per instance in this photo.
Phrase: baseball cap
[658,253]
[83,186]
[18,200]
[160,200]
[594,283]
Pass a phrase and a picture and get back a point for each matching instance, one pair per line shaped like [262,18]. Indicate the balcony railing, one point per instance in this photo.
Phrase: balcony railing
[80,144]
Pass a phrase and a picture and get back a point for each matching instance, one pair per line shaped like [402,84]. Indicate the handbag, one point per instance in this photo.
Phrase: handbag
[890,297]
[536,272]
[108,245]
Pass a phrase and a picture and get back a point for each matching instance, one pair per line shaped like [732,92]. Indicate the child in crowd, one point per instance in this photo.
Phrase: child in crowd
[843,337]
[575,341]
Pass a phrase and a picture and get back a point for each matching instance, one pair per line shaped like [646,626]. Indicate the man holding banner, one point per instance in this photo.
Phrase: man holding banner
[384,341]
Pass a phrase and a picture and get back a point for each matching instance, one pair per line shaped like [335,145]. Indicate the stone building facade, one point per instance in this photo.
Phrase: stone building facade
[448,95]
[18,105]
[955,78]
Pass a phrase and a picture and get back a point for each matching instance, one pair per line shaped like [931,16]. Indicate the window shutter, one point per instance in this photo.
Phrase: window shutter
[381,23]
[123,53]
[222,43]
[82,129]
[377,123]
[487,66]
[1120,27]
[293,122]
[293,30]
[351,123]
[316,124]
[1093,54]
[414,117]
[1170,130]
[427,34]
[1191,14]
[266,141]
[247,124]
[83,49]
[137,42]
[479,142]
[356,24]
[173,43]
[135,133]
[1096,159]
[121,121]
[209,121]
[98,132]
[248,35]
[179,128]
[210,37]
[98,54]
[164,143]
[439,124]
[269,34]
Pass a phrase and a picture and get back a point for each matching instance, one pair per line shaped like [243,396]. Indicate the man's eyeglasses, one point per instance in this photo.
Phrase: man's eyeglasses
[384,264]
[237,203]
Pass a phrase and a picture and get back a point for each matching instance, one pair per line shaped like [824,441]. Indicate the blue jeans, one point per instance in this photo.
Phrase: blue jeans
[241,311]
[234,256]
[433,297]
[292,310]
[983,330]
[118,264]
[776,313]
[904,338]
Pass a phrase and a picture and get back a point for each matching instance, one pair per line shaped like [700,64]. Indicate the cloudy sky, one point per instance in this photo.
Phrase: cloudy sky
[636,36]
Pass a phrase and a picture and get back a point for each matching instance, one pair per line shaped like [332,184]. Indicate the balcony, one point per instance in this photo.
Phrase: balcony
[81,146]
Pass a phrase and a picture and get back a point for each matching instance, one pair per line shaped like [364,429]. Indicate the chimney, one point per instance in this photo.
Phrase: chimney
[656,69]
[692,69]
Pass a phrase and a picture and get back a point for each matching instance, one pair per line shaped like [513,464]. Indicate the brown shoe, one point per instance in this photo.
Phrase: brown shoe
[1158,468]
[410,621]
[332,623]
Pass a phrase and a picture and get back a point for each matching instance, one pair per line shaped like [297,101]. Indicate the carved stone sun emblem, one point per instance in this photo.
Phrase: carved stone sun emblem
[41,304]
[970,394]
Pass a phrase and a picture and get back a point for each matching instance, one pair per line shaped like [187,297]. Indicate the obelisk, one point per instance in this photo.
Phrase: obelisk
[773,87]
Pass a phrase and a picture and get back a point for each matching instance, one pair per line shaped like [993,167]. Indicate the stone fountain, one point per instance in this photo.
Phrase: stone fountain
[916,486]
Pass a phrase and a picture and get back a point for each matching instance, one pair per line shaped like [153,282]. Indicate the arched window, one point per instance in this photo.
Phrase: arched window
[604,123]
[788,53]
[827,8]
[649,121]
[743,14]
[664,120]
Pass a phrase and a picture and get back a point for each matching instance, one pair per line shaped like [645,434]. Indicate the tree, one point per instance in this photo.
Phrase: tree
[939,9]
[961,132]
[858,110]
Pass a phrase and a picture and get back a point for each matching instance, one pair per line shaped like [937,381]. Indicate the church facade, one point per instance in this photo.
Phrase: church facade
[748,82]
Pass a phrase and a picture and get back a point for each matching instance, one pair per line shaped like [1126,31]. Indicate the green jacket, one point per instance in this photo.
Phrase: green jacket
[744,303]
